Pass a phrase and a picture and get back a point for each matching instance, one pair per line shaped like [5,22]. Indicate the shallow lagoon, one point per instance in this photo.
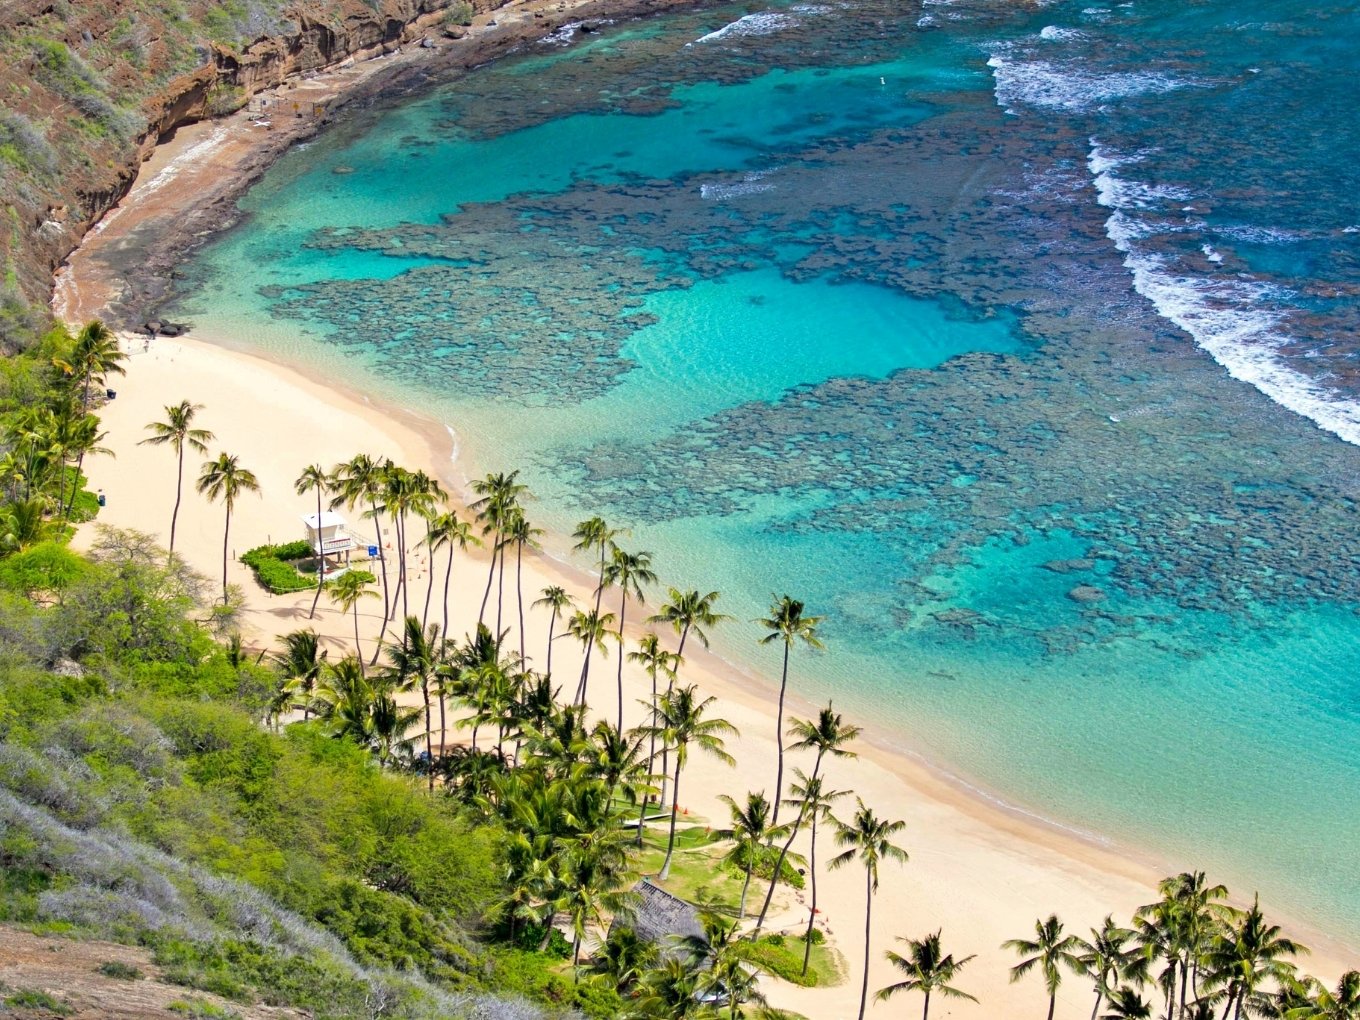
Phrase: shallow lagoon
[827,304]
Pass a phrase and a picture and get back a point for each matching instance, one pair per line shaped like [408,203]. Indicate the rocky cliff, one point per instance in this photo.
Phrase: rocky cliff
[87,90]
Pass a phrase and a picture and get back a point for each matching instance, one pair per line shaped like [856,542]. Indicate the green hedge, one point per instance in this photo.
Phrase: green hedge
[271,570]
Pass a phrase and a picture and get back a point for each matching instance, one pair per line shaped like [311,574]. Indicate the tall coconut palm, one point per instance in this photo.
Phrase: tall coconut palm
[813,802]
[628,572]
[787,625]
[499,499]
[654,660]
[828,734]
[680,723]
[1112,957]
[557,600]
[928,969]
[1179,928]
[177,432]
[1050,951]
[748,832]
[225,479]
[868,838]
[315,479]
[1250,954]
[446,531]
[347,591]
[360,480]
[81,437]
[589,628]
[521,533]
[595,534]
[95,356]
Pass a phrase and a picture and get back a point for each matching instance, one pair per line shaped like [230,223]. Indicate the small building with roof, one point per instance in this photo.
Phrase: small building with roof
[662,919]
[329,536]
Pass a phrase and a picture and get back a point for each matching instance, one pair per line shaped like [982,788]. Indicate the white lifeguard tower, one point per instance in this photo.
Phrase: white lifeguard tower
[328,535]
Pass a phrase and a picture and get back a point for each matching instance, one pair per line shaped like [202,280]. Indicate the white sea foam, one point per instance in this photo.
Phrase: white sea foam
[1050,86]
[563,36]
[1235,319]
[1260,235]
[762,23]
[751,184]
[1211,253]
[1053,33]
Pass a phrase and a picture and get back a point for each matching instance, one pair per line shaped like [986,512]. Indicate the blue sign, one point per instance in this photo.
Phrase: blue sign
[373,550]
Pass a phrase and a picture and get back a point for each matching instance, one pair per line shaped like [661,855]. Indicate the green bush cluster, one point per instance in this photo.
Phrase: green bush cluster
[274,572]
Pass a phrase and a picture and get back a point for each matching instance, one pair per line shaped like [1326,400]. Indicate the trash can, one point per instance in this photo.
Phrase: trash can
[110,393]
[101,499]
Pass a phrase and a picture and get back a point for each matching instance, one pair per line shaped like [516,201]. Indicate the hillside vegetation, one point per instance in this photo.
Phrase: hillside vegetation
[87,89]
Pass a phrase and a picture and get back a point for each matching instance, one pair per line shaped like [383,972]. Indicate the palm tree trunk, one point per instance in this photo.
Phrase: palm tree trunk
[868,918]
[179,494]
[552,622]
[812,910]
[320,557]
[226,531]
[357,653]
[429,586]
[448,575]
[547,933]
[1100,997]
[750,866]
[623,612]
[490,577]
[401,576]
[585,671]
[429,743]
[925,1010]
[1052,1004]
[779,868]
[779,741]
[519,597]
[382,564]
[675,810]
[500,595]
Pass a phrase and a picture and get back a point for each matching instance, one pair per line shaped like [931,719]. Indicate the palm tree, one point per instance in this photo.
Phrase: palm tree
[628,572]
[499,500]
[177,430]
[726,963]
[80,436]
[520,533]
[829,734]
[787,624]
[301,663]
[361,479]
[679,723]
[314,478]
[1050,951]
[595,872]
[413,664]
[595,534]
[225,479]
[446,530]
[1251,953]
[687,612]
[928,970]
[95,356]
[814,803]
[1343,1004]
[1178,929]
[589,628]
[748,831]
[1127,1004]
[557,600]
[654,659]
[1110,960]
[868,838]
[347,591]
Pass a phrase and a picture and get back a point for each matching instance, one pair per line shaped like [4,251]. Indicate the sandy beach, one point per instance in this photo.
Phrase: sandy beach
[977,870]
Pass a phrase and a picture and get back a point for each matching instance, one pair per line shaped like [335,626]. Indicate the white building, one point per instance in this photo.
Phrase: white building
[328,535]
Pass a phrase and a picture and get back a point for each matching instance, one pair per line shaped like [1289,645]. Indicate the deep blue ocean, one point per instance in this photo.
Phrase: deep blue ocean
[1019,340]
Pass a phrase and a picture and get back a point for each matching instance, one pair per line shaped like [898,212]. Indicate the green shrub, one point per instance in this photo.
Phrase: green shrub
[273,573]
[120,970]
[33,998]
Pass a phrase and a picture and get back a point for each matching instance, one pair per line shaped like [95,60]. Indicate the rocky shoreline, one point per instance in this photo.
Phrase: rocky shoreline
[134,253]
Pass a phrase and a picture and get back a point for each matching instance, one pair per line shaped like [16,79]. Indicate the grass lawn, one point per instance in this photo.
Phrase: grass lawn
[782,957]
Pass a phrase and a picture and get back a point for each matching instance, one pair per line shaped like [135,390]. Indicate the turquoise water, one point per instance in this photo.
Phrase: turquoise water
[1017,342]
